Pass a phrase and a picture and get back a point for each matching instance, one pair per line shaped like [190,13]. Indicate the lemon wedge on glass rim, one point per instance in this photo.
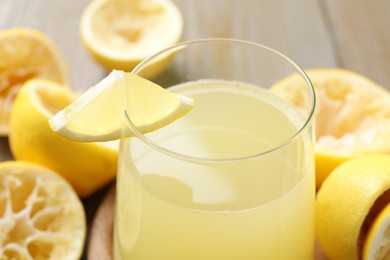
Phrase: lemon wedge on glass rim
[99,113]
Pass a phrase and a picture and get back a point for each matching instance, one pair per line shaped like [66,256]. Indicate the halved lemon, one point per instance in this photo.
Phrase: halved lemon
[348,204]
[41,216]
[377,244]
[121,33]
[26,54]
[352,117]
[99,113]
[87,166]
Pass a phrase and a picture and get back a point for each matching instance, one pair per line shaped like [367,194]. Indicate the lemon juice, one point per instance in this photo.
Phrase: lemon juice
[230,180]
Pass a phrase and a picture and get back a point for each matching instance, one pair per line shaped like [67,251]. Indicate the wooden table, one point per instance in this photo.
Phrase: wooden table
[353,34]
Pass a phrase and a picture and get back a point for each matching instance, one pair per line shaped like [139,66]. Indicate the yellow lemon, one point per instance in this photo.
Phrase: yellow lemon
[99,113]
[41,216]
[347,204]
[377,244]
[87,166]
[121,33]
[352,117]
[26,54]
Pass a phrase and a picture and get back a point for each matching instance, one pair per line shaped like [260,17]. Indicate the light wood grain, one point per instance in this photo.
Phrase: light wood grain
[100,244]
[361,30]
[295,28]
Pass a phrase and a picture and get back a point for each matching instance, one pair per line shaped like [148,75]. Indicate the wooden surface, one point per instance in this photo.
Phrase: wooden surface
[101,239]
[353,34]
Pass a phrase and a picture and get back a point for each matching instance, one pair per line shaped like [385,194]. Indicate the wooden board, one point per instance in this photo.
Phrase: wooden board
[100,242]
[100,245]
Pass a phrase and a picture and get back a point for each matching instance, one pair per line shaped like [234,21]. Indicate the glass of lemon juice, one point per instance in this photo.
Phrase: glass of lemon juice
[233,178]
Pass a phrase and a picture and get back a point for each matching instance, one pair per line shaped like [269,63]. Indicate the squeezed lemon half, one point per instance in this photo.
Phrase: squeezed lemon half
[121,33]
[41,216]
[26,54]
[352,116]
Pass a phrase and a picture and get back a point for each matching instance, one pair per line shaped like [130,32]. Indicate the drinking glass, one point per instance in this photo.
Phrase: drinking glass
[233,178]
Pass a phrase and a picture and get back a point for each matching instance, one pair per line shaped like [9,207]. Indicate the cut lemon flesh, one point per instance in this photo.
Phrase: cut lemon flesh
[377,244]
[99,114]
[26,54]
[87,166]
[41,216]
[352,116]
[121,33]
[347,203]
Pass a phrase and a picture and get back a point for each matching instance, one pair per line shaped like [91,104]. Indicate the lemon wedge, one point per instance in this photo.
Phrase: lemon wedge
[121,33]
[352,116]
[99,114]
[26,54]
[31,139]
[41,216]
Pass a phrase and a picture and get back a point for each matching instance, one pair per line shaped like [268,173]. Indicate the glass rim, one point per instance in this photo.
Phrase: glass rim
[300,131]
